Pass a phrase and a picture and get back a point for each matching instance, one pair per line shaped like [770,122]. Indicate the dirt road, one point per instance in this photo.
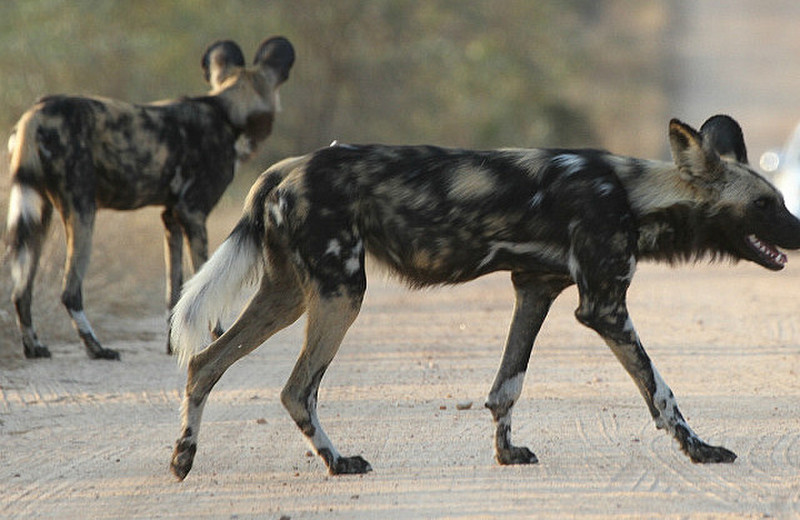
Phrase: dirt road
[92,439]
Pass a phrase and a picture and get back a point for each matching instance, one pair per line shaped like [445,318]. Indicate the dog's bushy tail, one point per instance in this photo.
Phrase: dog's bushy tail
[238,262]
[28,208]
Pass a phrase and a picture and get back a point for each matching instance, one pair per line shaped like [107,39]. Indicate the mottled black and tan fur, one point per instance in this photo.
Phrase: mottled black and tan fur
[553,218]
[81,154]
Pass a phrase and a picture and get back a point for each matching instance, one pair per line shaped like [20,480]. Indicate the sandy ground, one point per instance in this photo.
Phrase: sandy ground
[92,439]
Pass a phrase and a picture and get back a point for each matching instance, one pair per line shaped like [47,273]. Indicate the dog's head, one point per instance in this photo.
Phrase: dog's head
[249,94]
[746,216]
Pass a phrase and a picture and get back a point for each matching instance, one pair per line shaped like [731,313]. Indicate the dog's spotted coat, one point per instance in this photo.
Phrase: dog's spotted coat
[81,154]
[553,218]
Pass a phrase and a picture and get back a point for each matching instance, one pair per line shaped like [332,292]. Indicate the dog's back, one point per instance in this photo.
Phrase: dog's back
[440,216]
[126,156]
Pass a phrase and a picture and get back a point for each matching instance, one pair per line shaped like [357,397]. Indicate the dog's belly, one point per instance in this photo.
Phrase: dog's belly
[126,190]
[448,261]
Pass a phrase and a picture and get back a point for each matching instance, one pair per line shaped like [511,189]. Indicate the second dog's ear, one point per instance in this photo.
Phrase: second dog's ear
[277,54]
[695,161]
[724,134]
[220,60]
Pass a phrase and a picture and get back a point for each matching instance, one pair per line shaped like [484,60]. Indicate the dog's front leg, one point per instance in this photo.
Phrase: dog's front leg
[611,320]
[602,263]
[173,257]
[193,223]
[534,295]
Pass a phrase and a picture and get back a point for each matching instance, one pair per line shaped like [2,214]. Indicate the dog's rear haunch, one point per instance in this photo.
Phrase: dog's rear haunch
[553,218]
[81,154]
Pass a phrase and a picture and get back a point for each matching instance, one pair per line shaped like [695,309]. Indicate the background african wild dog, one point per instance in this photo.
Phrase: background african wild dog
[553,218]
[81,154]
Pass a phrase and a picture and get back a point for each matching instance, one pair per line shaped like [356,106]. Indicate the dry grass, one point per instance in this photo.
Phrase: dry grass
[126,277]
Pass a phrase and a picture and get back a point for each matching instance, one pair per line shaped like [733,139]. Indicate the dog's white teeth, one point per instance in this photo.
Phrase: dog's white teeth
[767,250]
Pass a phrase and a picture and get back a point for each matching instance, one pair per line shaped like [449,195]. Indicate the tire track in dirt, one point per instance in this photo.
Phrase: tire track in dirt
[64,422]
[773,463]
[54,482]
[748,480]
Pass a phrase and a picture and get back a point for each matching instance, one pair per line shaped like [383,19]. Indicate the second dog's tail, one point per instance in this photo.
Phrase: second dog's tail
[29,210]
[238,262]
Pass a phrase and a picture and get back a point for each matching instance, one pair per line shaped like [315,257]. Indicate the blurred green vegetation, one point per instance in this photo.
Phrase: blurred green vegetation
[450,72]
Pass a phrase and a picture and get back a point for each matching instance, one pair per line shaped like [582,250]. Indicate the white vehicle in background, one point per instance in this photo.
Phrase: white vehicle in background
[783,166]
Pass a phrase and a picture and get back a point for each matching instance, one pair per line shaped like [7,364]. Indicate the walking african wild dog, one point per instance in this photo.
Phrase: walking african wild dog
[441,216]
[81,154]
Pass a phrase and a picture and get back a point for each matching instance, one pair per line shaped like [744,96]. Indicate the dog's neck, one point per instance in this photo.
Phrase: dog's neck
[666,208]
[654,186]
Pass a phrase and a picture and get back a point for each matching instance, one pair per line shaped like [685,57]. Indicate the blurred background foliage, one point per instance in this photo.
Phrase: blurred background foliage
[507,73]
[451,72]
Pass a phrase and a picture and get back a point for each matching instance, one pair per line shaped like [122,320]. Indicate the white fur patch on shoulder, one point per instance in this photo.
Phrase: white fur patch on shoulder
[570,162]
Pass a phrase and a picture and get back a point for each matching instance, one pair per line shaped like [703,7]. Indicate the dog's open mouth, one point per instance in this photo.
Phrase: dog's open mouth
[768,255]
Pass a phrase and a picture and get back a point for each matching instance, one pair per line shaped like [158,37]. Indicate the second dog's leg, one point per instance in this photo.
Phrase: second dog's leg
[193,223]
[27,241]
[534,295]
[194,227]
[79,228]
[173,258]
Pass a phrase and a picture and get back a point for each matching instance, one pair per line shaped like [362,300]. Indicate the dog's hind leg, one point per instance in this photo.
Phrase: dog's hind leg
[329,317]
[534,295]
[602,290]
[78,227]
[29,220]
[277,304]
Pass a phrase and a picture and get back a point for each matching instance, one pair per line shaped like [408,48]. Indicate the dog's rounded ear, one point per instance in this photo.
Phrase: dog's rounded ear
[276,53]
[724,134]
[695,160]
[220,60]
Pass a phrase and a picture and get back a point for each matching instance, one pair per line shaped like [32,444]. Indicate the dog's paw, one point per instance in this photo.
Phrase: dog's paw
[37,351]
[705,453]
[350,466]
[104,353]
[95,350]
[182,458]
[516,455]
[700,452]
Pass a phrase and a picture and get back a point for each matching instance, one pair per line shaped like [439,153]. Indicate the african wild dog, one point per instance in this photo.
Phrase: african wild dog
[81,154]
[440,216]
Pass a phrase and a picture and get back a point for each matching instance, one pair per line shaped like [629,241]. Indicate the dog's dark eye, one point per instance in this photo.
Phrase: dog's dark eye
[763,203]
